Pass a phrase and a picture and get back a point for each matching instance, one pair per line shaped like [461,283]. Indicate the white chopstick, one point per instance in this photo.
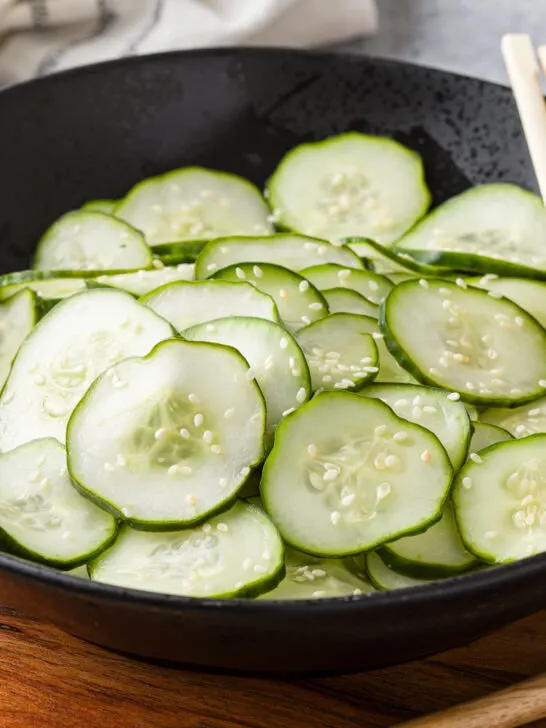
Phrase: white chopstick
[523,72]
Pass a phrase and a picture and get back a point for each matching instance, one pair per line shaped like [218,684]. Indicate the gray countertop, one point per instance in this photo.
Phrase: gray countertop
[458,35]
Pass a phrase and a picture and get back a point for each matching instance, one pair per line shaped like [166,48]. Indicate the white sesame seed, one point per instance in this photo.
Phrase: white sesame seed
[416,412]
[423,283]
[542,382]
[467,482]
[442,361]
[283,294]
[347,499]
[216,449]
[391,461]
[454,396]
[185,469]
[315,306]
[330,475]
[380,430]
[430,409]
[382,491]
[223,482]
[306,320]
[159,433]
[198,419]
[335,517]
[239,272]
[193,398]
[400,436]
[303,286]
[519,429]
[373,285]
[460,282]
[212,266]
[312,450]
[172,470]
[426,456]
[109,467]
[433,371]
[321,250]
[344,274]
[401,403]
[228,414]
[377,336]
[301,395]
[258,272]
[534,412]
[518,321]
[475,458]
[208,436]
[446,303]
[120,460]
[370,370]
[283,343]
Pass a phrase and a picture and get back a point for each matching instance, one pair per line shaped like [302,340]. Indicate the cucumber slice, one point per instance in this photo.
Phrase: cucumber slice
[495,228]
[195,204]
[51,287]
[464,340]
[236,554]
[185,251]
[370,285]
[91,241]
[275,359]
[340,351]
[346,475]
[298,301]
[187,304]
[529,419]
[383,577]
[144,281]
[499,500]
[384,260]
[436,553]
[432,409]
[344,186]
[530,295]
[295,252]
[389,369]
[80,572]
[42,517]
[343,300]
[18,316]
[64,353]
[485,435]
[167,440]
[105,206]
[308,577]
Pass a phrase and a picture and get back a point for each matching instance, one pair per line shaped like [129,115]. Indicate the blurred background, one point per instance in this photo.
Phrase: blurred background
[42,36]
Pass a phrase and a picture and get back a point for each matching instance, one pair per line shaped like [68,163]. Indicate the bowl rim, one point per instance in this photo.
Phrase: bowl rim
[472,584]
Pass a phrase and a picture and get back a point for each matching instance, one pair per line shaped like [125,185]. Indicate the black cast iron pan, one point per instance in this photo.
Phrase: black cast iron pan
[96,131]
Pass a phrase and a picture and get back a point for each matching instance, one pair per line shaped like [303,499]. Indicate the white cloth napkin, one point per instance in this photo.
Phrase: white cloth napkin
[41,36]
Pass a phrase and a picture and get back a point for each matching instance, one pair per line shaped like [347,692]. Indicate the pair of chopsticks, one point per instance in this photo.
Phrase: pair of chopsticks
[524,702]
[524,74]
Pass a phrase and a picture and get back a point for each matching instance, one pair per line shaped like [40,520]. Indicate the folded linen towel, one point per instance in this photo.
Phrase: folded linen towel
[41,36]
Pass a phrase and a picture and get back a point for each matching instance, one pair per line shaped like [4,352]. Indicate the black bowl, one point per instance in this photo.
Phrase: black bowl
[96,131]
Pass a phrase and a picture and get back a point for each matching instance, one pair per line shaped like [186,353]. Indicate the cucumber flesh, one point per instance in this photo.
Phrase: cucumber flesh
[42,517]
[432,409]
[384,577]
[342,479]
[485,435]
[298,301]
[340,351]
[529,419]
[184,251]
[195,203]
[274,357]
[437,552]
[464,340]
[530,295]
[91,241]
[105,206]
[389,369]
[51,287]
[166,440]
[343,300]
[295,252]
[368,284]
[18,316]
[344,186]
[495,228]
[308,577]
[63,355]
[236,554]
[185,304]
[499,500]
[144,281]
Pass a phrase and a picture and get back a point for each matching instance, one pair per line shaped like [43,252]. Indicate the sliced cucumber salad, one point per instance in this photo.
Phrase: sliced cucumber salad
[314,391]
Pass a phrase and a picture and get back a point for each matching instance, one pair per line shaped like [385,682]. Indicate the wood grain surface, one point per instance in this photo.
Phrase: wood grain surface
[51,680]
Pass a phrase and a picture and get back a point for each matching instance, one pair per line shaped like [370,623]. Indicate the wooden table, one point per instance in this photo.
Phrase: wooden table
[51,680]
